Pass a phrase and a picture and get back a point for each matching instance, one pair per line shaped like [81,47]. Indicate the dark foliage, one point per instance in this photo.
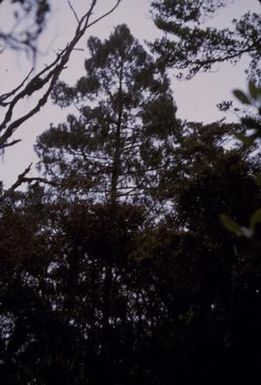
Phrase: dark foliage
[106,283]
[192,45]
[124,128]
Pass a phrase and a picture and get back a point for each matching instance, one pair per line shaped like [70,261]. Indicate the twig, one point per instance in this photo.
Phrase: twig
[73,11]
[105,14]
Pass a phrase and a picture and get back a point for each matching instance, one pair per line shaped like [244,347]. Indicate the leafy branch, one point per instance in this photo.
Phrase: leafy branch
[253,124]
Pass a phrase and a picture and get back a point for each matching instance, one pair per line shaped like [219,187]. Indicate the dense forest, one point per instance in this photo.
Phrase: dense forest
[133,257]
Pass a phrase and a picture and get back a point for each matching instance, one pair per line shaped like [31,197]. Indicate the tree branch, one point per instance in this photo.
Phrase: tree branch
[74,12]
[18,182]
[47,76]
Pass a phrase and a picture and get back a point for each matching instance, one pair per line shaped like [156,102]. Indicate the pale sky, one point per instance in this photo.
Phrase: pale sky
[196,99]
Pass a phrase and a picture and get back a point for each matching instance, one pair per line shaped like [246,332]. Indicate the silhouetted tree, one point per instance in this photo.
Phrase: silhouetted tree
[97,285]
[111,153]
[113,148]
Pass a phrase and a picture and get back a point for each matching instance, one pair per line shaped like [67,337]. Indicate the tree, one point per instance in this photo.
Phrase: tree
[95,288]
[111,153]
[212,272]
[191,45]
[125,127]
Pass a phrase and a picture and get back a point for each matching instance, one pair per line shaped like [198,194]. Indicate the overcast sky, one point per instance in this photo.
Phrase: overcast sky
[196,99]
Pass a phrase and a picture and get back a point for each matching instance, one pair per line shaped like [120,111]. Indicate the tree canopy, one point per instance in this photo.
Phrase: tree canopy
[124,128]
[133,257]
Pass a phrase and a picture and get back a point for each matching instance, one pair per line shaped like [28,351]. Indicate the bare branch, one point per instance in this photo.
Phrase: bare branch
[105,14]
[40,180]
[74,12]
[9,144]
[20,180]
[14,91]
[47,76]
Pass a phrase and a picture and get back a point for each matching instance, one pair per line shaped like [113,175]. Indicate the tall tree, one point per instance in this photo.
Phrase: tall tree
[111,152]
[113,147]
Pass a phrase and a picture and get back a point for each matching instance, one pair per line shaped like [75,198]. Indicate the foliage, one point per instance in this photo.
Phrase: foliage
[97,284]
[192,45]
[114,146]
[250,139]
[102,295]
